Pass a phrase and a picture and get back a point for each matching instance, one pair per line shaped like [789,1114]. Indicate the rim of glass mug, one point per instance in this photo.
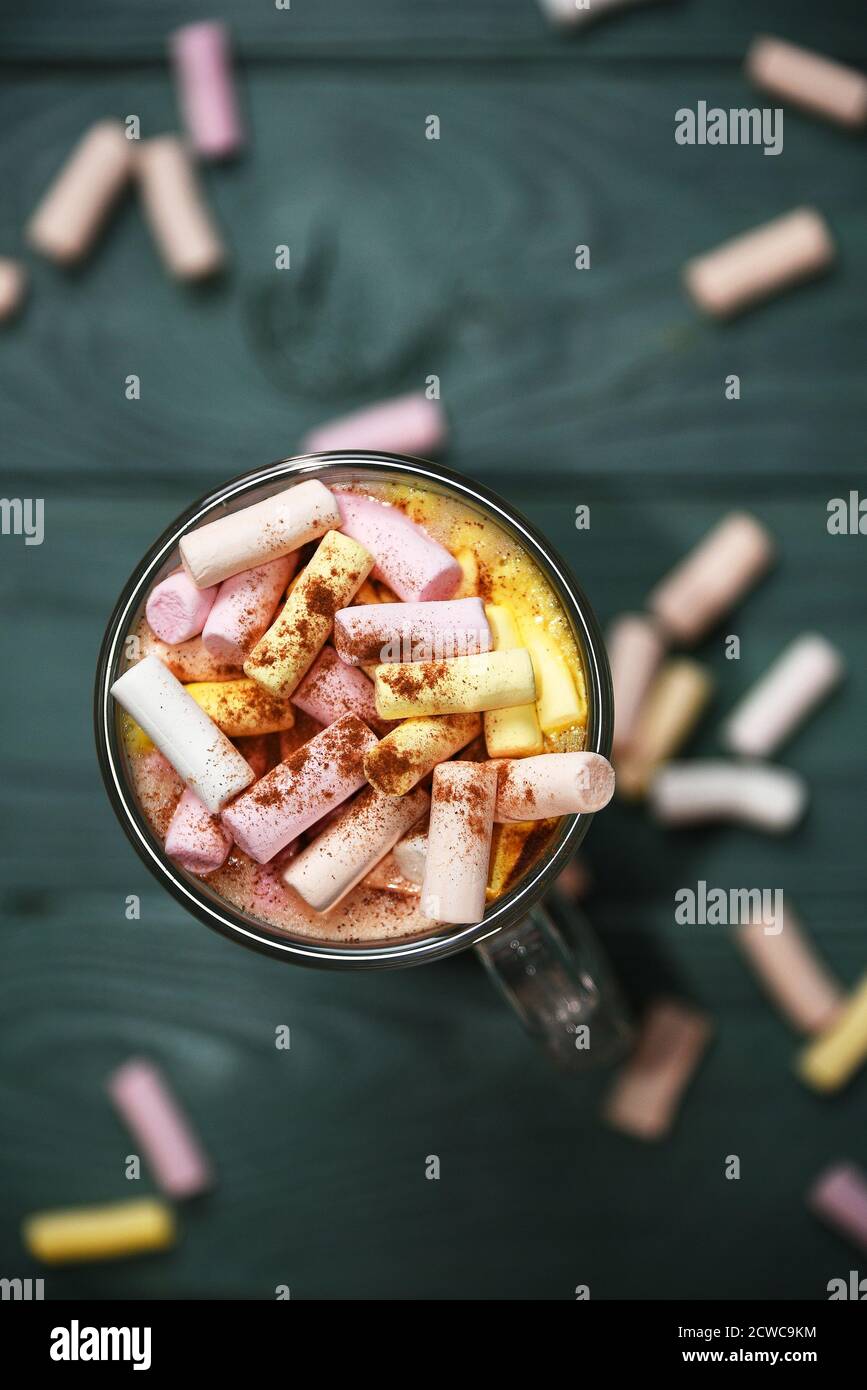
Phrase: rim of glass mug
[194,894]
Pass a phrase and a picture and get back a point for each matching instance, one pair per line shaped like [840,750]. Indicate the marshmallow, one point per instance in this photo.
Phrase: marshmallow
[670,712]
[13,287]
[242,708]
[801,677]
[195,839]
[387,876]
[287,650]
[559,702]
[406,425]
[338,859]
[244,607]
[713,577]
[752,794]
[568,12]
[203,72]
[196,748]
[159,790]
[515,732]
[331,689]
[809,79]
[401,632]
[469,684]
[555,784]
[414,749]
[184,231]
[516,846]
[368,593]
[760,263]
[469,584]
[410,856]
[257,534]
[459,842]
[67,221]
[407,559]
[99,1233]
[831,1060]
[189,661]
[799,984]
[635,649]
[645,1096]
[839,1196]
[176,610]
[298,792]
[151,1112]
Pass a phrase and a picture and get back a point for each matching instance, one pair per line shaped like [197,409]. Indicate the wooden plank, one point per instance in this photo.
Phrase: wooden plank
[439,30]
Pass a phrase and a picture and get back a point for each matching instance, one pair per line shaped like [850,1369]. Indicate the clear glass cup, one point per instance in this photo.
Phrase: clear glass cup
[555,988]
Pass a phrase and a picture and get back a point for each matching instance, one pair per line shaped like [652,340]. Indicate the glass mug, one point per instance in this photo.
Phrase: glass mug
[543,959]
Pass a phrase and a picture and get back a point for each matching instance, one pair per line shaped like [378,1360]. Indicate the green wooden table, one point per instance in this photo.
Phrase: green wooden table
[412,257]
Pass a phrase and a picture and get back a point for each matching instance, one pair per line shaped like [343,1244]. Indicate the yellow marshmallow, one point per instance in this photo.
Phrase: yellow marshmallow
[514,841]
[331,580]
[242,708]
[469,585]
[515,732]
[99,1233]
[134,737]
[414,748]
[468,684]
[827,1063]
[559,703]
[671,710]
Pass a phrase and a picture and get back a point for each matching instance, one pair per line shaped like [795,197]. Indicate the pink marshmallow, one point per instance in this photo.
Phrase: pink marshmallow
[553,784]
[459,842]
[839,1196]
[243,609]
[321,775]
[406,425]
[408,560]
[196,840]
[176,610]
[397,632]
[150,1111]
[331,689]
[203,72]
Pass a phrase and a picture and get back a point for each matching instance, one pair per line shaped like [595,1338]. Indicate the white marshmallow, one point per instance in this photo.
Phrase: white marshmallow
[259,533]
[753,794]
[799,679]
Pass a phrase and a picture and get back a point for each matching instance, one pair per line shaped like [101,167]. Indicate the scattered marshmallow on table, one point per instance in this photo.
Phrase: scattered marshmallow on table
[415,566]
[409,424]
[671,710]
[469,684]
[331,689]
[752,794]
[412,750]
[839,1197]
[176,610]
[260,533]
[832,1059]
[288,649]
[195,839]
[554,784]
[635,648]
[362,834]
[244,608]
[797,981]
[811,80]
[463,797]
[107,1232]
[73,211]
[242,708]
[141,1095]
[368,634]
[192,743]
[202,62]
[514,732]
[760,263]
[322,774]
[713,577]
[644,1100]
[13,287]
[182,226]
[800,678]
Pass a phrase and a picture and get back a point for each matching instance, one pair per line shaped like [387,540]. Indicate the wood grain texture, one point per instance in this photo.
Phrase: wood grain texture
[562,387]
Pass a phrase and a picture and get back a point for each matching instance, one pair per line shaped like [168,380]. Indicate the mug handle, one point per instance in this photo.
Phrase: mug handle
[564,994]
